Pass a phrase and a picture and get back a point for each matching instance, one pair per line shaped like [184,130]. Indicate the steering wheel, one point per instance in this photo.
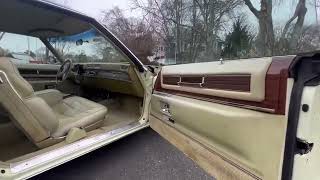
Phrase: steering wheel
[64,70]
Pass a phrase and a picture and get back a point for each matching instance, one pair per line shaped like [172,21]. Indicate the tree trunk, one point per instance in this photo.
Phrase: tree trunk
[297,30]
[194,34]
[299,13]
[266,34]
[178,31]
[211,27]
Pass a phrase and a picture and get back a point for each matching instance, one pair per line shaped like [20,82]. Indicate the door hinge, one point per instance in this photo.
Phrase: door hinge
[303,147]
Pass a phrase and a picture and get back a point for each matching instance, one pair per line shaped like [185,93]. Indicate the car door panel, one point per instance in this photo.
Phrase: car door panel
[221,80]
[245,126]
[216,165]
[40,76]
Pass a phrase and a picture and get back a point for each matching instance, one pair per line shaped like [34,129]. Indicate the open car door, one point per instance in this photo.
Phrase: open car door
[229,117]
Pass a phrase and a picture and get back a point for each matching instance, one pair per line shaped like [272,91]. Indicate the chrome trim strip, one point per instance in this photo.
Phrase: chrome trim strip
[162,93]
[71,149]
[255,108]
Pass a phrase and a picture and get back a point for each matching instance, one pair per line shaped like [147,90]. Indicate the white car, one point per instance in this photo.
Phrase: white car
[252,118]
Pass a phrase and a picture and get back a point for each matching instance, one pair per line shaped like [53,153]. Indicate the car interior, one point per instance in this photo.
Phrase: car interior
[82,84]
[68,87]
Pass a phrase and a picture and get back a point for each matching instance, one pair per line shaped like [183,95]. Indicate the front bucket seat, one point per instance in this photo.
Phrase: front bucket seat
[45,117]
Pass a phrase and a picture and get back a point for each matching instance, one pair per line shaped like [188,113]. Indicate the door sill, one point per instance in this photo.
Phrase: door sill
[40,163]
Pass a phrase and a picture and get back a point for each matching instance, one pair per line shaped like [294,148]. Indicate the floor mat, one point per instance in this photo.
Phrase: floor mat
[15,150]
[12,142]
[124,109]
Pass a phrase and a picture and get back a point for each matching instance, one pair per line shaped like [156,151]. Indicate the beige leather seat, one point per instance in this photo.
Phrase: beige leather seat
[45,117]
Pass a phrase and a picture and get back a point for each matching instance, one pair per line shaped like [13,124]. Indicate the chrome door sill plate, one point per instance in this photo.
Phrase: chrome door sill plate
[69,152]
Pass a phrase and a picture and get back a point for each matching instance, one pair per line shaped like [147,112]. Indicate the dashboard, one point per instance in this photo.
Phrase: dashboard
[114,77]
[112,71]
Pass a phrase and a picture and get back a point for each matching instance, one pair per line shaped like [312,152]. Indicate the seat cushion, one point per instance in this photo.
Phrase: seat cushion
[77,112]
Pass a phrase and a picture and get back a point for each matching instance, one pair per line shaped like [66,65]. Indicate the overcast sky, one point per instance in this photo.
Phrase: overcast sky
[95,7]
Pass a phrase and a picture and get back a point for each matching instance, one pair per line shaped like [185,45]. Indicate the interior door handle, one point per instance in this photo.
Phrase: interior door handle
[91,73]
[165,109]
[191,84]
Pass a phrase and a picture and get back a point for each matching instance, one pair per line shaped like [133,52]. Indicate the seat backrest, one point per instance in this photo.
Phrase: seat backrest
[30,113]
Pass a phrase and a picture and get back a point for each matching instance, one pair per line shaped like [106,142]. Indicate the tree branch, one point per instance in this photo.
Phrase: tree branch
[299,13]
[252,8]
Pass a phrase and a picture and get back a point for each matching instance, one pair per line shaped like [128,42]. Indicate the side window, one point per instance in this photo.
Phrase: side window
[25,49]
[210,30]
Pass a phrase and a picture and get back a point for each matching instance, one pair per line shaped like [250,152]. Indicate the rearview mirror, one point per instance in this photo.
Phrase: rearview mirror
[79,42]
[52,60]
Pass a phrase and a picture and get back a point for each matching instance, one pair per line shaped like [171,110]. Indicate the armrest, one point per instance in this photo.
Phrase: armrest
[50,96]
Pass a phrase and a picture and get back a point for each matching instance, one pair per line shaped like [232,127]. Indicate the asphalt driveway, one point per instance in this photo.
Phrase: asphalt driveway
[143,155]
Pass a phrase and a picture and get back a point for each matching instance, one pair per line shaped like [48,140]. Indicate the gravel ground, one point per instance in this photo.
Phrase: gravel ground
[143,155]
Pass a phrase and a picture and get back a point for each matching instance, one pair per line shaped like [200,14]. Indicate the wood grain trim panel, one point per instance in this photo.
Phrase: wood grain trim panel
[275,89]
[228,82]
[171,80]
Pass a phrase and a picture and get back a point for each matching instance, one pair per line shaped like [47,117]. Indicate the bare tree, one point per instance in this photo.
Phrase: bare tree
[162,14]
[192,25]
[265,39]
[299,14]
[178,7]
[135,33]
[212,12]
[62,47]
[309,39]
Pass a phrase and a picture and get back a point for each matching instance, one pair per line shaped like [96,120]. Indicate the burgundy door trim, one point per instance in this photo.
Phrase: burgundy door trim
[275,92]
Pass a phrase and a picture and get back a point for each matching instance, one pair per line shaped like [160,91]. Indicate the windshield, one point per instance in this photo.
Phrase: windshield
[87,47]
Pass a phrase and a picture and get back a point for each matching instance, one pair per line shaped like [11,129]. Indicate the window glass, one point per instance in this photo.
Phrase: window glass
[86,47]
[25,49]
[203,31]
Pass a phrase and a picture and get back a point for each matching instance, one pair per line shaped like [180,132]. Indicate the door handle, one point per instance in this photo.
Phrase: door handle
[91,73]
[191,84]
[165,109]
[198,84]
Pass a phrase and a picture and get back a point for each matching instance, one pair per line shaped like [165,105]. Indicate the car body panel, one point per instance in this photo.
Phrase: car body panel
[306,166]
